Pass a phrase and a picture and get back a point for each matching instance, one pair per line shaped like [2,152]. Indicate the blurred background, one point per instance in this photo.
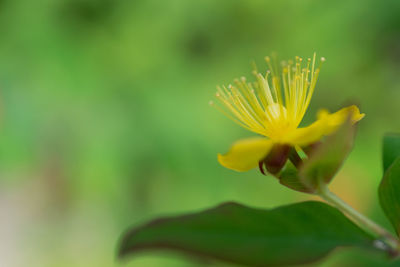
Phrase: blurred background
[105,121]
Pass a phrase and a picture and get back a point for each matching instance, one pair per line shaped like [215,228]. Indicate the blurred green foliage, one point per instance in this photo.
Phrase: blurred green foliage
[105,120]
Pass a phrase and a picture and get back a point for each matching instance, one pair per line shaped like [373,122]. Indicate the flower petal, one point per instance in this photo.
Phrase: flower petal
[326,124]
[245,154]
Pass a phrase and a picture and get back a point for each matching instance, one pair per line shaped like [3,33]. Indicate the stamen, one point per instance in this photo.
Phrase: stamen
[269,106]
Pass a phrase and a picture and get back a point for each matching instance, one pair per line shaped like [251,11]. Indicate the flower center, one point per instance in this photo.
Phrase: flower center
[279,123]
[276,111]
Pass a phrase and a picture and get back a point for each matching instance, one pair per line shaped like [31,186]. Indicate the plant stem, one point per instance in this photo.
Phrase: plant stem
[364,222]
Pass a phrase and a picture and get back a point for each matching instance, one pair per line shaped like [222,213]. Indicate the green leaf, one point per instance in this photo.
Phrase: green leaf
[391,149]
[289,177]
[231,232]
[327,158]
[389,194]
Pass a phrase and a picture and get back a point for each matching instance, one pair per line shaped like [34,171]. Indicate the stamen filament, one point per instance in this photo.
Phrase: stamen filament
[263,107]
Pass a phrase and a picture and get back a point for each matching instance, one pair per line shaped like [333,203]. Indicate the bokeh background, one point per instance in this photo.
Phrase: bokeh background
[105,121]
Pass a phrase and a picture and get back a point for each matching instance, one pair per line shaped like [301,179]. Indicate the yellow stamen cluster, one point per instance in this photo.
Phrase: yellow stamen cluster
[276,103]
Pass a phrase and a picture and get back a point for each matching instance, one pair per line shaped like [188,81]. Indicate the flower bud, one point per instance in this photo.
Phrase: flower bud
[276,159]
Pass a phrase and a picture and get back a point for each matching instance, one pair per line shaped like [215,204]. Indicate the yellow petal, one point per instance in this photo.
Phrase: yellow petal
[326,124]
[336,119]
[307,135]
[245,154]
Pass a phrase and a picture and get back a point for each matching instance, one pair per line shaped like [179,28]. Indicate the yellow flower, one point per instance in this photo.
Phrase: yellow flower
[273,107]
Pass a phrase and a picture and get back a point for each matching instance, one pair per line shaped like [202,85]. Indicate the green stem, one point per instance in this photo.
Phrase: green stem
[364,222]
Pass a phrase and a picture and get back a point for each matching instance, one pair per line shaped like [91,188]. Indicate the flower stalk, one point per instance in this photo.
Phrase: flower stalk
[367,224]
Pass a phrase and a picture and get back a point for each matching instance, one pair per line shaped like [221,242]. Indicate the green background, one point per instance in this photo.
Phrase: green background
[105,121]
